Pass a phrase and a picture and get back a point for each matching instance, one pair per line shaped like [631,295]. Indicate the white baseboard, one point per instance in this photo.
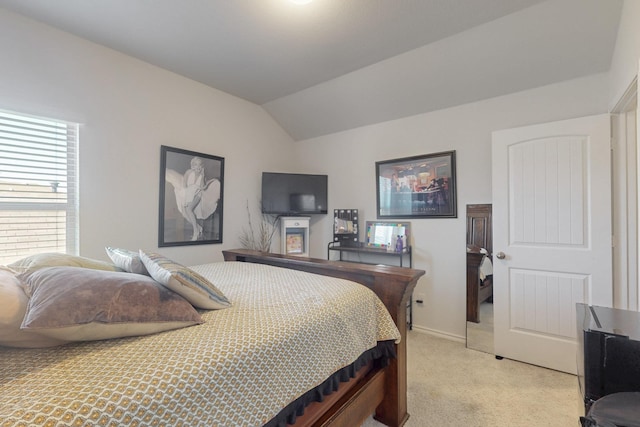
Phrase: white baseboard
[445,335]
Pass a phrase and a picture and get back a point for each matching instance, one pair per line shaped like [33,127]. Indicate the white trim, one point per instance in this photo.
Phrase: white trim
[626,203]
[440,334]
[629,99]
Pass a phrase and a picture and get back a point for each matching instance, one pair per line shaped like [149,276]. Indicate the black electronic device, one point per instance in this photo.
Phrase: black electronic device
[608,351]
[294,193]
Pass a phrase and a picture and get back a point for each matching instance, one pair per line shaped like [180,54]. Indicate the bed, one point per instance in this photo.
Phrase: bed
[479,254]
[184,377]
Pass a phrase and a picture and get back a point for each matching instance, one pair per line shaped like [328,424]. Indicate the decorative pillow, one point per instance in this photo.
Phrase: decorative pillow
[186,282]
[127,260]
[13,305]
[79,304]
[35,262]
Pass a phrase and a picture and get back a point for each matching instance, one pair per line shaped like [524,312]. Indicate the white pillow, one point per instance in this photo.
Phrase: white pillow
[13,305]
[127,260]
[184,281]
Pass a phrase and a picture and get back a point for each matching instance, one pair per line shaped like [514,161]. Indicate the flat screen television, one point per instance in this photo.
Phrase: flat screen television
[294,193]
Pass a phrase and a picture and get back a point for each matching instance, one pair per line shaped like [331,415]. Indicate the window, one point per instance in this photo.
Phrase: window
[38,186]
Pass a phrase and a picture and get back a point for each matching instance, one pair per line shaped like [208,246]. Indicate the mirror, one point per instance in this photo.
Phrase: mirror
[479,249]
[388,235]
[345,227]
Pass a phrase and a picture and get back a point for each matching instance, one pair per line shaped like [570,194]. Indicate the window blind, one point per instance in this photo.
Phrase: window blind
[38,186]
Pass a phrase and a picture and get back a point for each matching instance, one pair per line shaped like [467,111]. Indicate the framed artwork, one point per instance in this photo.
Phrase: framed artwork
[191,195]
[295,243]
[417,187]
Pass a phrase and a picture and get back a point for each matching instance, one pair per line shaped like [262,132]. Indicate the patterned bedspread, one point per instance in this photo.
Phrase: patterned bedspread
[286,333]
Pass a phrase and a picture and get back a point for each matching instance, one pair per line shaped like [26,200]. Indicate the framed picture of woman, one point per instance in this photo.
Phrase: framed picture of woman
[191,195]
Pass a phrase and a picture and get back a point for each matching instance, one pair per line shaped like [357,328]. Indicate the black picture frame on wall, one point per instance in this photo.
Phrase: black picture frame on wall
[417,187]
[191,196]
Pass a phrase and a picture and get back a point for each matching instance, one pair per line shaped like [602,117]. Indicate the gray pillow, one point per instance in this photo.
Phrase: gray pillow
[79,304]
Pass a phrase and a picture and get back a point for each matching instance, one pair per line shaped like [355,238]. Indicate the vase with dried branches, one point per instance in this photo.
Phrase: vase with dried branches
[260,237]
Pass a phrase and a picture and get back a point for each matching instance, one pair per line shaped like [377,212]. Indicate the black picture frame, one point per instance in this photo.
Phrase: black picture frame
[190,192]
[417,187]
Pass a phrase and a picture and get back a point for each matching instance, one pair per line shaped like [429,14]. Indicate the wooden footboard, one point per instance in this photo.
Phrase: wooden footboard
[394,286]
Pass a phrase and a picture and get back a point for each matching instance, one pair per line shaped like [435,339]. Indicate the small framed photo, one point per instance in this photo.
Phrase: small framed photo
[295,243]
[417,187]
[191,195]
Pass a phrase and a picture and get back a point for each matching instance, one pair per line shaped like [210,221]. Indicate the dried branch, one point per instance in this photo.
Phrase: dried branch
[261,238]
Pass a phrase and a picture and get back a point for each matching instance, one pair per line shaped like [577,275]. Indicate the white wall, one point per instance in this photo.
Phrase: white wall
[439,244]
[127,109]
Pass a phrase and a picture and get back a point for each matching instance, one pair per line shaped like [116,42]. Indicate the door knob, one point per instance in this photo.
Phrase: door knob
[500,255]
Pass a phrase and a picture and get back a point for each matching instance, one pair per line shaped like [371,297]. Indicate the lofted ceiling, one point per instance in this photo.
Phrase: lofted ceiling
[333,65]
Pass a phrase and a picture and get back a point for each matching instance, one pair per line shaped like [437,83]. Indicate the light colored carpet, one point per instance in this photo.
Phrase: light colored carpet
[450,385]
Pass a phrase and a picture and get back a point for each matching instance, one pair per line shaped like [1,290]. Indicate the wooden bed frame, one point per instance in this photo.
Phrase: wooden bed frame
[379,389]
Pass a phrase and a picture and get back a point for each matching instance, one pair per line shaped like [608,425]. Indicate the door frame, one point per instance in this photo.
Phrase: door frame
[625,183]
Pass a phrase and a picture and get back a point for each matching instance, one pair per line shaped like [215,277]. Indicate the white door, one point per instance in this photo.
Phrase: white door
[552,222]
